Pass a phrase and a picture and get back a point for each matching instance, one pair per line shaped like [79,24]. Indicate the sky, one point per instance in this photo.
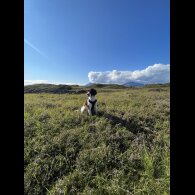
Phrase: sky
[98,41]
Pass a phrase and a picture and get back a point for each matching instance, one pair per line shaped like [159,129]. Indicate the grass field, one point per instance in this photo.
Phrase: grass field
[123,150]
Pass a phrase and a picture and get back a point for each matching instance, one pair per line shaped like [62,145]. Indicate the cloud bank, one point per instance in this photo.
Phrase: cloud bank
[33,82]
[157,73]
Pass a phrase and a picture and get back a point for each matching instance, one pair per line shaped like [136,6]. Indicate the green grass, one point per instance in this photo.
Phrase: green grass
[122,150]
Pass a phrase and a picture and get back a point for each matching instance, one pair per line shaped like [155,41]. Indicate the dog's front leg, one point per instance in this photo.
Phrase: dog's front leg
[83,109]
[96,108]
[89,112]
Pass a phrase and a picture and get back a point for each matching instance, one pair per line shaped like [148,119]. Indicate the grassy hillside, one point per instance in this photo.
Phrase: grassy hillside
[46,88]
[62,89]
[108,86]
[123,150]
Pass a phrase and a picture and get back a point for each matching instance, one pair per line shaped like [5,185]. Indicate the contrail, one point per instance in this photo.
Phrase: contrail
[33,47]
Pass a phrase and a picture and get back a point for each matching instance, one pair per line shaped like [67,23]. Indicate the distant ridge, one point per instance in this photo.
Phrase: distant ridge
[133,84]
[111,86]
[51,88]
[89,84]
[46,88]
[129,84]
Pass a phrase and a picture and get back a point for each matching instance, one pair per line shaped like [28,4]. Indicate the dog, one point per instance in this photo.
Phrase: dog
[90,104]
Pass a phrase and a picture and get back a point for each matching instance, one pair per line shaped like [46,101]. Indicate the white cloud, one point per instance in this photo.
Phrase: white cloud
[157,73]
[32,82]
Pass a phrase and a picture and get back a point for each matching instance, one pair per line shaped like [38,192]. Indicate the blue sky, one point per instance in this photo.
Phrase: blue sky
[81,41]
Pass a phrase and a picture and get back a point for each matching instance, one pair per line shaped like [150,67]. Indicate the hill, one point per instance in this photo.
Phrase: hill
[46,88]
[61,89]
[108,86]
[133,84]
[129,84]
[159,85]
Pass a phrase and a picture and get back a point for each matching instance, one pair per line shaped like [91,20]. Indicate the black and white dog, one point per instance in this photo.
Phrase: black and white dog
[90,104]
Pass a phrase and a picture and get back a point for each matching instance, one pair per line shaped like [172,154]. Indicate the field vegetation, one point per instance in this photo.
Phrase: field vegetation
[123,150]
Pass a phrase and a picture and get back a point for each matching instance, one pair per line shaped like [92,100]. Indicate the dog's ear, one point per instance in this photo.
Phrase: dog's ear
[93,92]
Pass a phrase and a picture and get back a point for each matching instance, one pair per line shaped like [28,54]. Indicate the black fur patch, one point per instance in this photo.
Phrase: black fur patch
[93,92]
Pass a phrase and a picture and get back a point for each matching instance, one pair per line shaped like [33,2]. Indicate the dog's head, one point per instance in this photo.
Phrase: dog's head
[92,92]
